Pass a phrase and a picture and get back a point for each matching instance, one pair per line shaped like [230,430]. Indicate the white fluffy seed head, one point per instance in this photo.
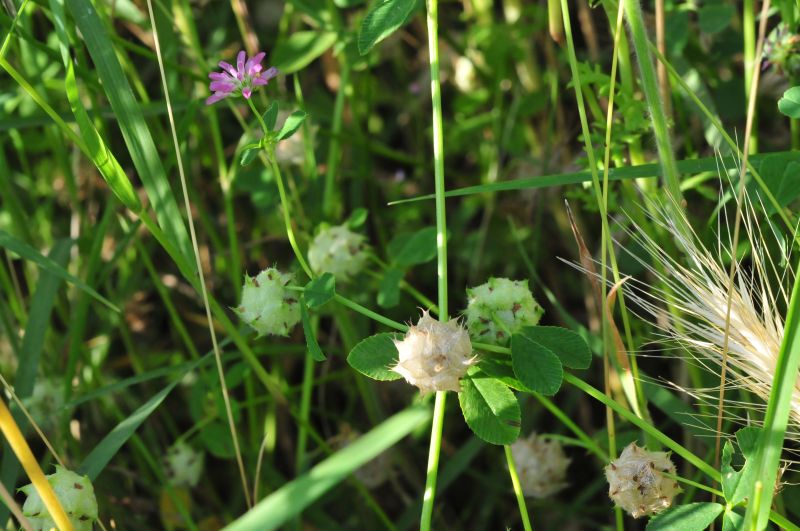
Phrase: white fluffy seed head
[637,484]
[541,465]
[76,495]
[434,355]
[183,465]
[339,251]
[267,305]
[500,307]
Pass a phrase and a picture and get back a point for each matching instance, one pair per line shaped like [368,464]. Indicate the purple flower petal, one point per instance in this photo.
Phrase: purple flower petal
[228,67]
[253,64]
[258,81]
[246,92]
[214,98]
[219,76]
[221,86]
[240,65]
[270,73]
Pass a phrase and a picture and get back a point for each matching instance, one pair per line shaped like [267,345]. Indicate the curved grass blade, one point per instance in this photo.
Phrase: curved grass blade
[98,152]
[48,264]
[288,501]
[641,171]
[131,122]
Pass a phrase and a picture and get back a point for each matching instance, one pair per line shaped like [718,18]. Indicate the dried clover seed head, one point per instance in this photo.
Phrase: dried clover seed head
[636,481]
[76,495]
[434,355]
[267,305]
[339,251]
[499,308]
[183,465]
[541,466]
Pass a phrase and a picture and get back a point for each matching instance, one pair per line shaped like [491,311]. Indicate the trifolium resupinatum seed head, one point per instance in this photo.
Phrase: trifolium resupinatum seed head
[183,465]
[434,355]
[76,494]
[541,465]
[267,305]
[637,482]
[499,308]
[339,251]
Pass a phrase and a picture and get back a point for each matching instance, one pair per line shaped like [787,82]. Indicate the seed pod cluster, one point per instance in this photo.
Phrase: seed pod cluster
[267,305]
[434,355]
[183,465]
[499,308]
[637,484]
[76,495]
[541,465]
[339,251]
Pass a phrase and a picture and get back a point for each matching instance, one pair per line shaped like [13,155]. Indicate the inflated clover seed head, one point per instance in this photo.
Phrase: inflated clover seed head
[267,305]
[636,481]
[183,465]
[46,402]
[339,251]
[541,465]
[76,495]
[434,355]
[499,308]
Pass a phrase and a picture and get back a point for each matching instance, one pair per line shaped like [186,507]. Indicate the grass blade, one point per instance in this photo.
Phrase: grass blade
[288,501]
[131,122]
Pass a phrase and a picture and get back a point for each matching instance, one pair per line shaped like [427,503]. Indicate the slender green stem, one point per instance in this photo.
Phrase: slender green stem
[512,471]
[433,460]
[432,14]
[749,38]
[305,403]
[698,463]
[199,265]
[633,14]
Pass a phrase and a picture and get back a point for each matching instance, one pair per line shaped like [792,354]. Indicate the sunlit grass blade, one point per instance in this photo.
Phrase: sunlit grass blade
[287,502]
[98,152]
[131,122]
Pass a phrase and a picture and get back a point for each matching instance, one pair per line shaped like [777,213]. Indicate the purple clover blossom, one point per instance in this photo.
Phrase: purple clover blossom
[247,75]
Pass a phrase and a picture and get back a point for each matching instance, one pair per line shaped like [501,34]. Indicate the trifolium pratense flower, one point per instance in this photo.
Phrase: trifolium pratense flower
[636,481]
[434,355]
[339,251]
[240,80]
[76,494]
[499,308]
[541,465]
[267,305]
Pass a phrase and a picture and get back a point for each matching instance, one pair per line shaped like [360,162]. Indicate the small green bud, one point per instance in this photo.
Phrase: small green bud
[500,308]
[183,465]
[339,251]
[76,495]
[267,305]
